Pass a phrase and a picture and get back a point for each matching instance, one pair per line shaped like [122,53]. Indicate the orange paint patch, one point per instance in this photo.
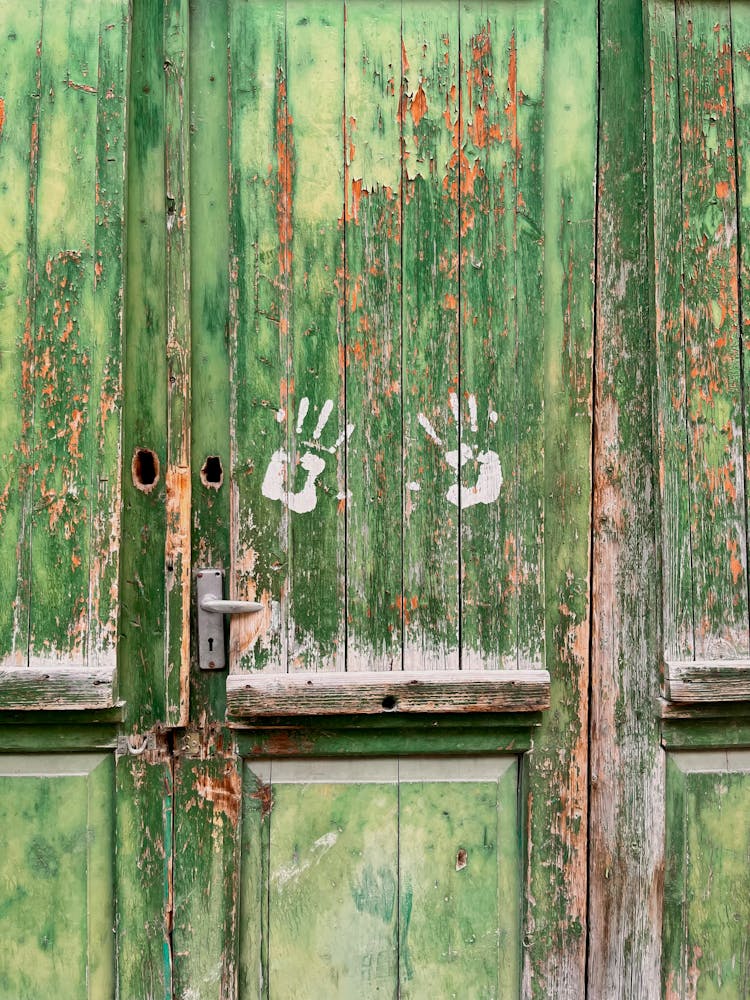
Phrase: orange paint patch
[2,115]
[722,189]
[418,105]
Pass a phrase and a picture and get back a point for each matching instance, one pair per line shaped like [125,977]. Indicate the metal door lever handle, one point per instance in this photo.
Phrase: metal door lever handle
[220,607]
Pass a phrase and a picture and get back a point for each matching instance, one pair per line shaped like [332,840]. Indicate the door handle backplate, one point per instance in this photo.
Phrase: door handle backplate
[209,587]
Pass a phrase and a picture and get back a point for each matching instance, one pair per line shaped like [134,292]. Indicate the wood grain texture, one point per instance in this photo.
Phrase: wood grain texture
[626,825]
[144,789]
[63,139]
[430,301]
[706,883]
[143,585]
[206,903]
[372,692]
[209,300]
[557,795]
[177,483]
[372,234]
[20,31]
[28,689]
[708,680]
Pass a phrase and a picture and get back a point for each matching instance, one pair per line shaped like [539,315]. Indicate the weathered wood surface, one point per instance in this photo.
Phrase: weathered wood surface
[209,294]
[699,363]
[708,680]
[207,798]
[62,159]
[56,868]
[368,693]
[387,346]
[144,789]
[555,894]
[626,825]
[707,890]
[28,689]
[382,876]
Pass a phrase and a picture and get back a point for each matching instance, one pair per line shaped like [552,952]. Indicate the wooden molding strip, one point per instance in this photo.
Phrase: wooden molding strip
[373,693]
[691,681]
[56,688]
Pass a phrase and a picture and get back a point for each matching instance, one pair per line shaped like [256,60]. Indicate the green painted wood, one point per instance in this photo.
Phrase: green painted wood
[707,883]
[459,883]
[530,364]
[667,217]
[253,918]
[626,763]
[76,334]
[555,892]
[144,789]
[57,860]
[430,304]
[19,735]
[209,282]
[20,34]
[712,362]
[207,808]
[488,390]
[709,734]
[372,221]
[317,547]
[332,883]
[259,326]
[178,355]
[143,595]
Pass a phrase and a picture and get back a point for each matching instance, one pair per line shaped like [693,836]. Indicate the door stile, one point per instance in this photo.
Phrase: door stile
[626,824]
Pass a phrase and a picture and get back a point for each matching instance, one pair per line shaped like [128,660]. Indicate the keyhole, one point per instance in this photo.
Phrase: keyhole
[210,644]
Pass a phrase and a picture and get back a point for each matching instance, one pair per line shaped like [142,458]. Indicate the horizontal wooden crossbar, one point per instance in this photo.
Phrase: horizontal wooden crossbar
[694,681]
[57,688]
[372,693]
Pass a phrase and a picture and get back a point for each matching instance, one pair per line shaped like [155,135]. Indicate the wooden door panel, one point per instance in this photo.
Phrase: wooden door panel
[57,919]
[62,161]
[707,883]
[387,361]
[380,877]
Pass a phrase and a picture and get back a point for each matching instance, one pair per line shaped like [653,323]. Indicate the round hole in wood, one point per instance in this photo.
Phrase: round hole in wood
[389,702]
[212,473]
[145,469]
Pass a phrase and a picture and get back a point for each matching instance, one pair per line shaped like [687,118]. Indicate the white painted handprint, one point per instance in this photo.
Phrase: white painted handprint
[277,476]
[490,479]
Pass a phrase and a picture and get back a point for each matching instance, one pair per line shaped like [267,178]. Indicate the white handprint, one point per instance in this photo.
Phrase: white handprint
[274,481]
[490,479]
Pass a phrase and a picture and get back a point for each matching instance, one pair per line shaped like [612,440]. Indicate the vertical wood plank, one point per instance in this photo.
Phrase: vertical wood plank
[677,582]
[459,875]
[207,807]
[177,473]
[487,397]
[740,42]
[626,847]
[530,364]
[373,335]
[209,283]
[142,658]
[712,361]
[257,802]
[20,46]
[260,207]
[554,962]
[317,415]
[333,890]
[144,877]
[430,260]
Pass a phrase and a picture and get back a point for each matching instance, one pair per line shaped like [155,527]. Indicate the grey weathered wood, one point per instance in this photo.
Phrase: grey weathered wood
[364,693]
[708,680]
[60,689]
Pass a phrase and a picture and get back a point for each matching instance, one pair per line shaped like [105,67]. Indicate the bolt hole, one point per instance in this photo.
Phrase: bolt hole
[145,469]
[462,859]
[212,474]
[389,702]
